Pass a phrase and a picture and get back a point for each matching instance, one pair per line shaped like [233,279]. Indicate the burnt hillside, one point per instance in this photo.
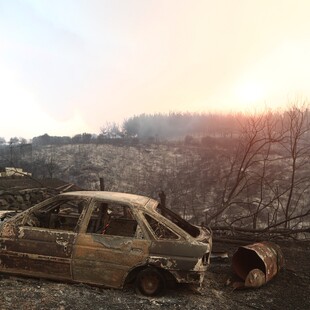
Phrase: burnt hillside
[256,178]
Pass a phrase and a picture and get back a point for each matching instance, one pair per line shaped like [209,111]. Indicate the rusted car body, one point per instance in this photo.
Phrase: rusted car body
[105,238]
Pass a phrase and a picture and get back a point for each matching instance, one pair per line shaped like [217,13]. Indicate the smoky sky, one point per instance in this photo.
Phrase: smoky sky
[77,64]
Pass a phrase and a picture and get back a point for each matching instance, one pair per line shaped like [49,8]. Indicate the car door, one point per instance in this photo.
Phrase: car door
[43,241]
[110,246]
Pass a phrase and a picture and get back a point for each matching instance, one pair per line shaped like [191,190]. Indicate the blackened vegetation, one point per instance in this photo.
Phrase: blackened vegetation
[242,175]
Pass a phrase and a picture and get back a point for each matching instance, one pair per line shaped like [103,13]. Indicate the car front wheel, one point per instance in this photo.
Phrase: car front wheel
[150,282]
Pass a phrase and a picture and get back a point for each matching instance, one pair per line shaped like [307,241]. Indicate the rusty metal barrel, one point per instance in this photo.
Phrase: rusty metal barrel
[257,263]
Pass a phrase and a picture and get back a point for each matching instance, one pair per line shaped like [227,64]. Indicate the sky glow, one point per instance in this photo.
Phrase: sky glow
[71,66]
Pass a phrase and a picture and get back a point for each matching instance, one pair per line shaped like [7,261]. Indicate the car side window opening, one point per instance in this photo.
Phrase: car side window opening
[177,220]
[159,230]
[113,219]
[59,215]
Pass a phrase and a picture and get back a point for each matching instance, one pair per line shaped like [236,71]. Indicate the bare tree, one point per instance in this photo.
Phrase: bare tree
[297,149]
[257,135]
[266,178]
[110,130]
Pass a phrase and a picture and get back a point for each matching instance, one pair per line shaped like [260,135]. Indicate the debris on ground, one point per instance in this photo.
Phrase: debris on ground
[288,290]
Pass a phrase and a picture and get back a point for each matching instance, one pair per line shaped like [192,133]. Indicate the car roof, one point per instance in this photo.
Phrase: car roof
[112,196]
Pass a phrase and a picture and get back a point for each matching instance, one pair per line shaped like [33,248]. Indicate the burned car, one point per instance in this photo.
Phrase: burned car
[105,238]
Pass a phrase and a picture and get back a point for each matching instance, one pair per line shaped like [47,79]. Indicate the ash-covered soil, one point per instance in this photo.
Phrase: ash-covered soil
[290,289]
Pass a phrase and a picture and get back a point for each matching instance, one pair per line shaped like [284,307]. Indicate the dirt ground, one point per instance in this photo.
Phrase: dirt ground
[290,289]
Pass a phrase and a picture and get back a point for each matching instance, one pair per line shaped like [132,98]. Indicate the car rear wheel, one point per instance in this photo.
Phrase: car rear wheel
[150,282]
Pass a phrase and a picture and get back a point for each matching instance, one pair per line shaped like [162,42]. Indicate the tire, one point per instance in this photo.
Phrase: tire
[150,282]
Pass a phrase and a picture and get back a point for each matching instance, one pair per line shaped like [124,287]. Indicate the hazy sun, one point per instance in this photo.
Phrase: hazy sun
[249,96]
[249,93]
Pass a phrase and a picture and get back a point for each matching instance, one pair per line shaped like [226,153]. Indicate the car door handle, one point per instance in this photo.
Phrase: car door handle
[62,241]
[136,250]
